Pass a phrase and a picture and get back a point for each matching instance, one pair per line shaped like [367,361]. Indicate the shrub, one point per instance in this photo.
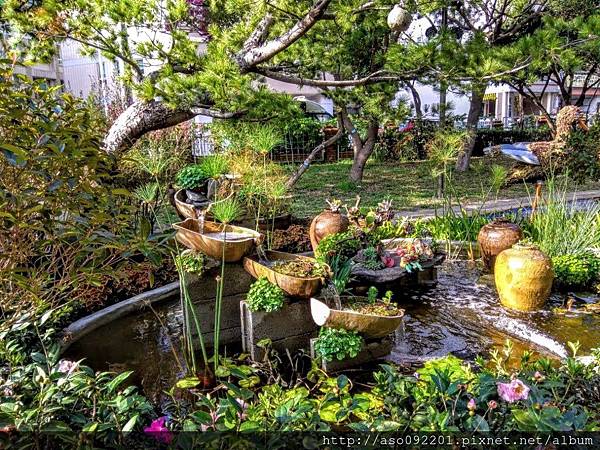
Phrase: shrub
[581,156]
[65,230]
[191,177]
[338,344]
[494,136]
[343,244]
[264,296]
[49,401]
[576,270]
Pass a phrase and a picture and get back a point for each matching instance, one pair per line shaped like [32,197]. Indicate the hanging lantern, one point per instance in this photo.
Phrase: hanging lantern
[399,19]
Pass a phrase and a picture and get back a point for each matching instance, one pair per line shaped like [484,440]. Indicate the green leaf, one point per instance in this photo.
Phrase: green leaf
[116,382]
[131,423]
[188,383]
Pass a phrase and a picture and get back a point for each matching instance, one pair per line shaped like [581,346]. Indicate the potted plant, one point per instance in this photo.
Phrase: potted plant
[193,180]
[370,316]
[297,275]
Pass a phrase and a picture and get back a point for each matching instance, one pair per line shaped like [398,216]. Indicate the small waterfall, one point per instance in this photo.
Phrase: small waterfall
[525,332]
[201,216]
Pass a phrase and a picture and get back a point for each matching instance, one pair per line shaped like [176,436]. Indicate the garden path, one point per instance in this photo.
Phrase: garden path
[502,204]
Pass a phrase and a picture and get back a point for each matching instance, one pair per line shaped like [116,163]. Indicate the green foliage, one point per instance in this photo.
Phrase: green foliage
[191,262]
[341,273]
[345,245]
[372,294]
[66,230]
[371,259]
[265,296]
[495,136]
[561,228]
[191,177]
[576,270]
[456,226]
[582,154]
[338,344]
[227,210]
[214,166]
[157,156]
[41,394]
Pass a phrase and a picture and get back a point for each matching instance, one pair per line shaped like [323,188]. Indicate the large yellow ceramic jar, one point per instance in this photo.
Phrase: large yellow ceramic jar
[523,277]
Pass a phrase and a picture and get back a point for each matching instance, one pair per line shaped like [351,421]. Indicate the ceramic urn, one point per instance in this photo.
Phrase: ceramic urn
[523,276]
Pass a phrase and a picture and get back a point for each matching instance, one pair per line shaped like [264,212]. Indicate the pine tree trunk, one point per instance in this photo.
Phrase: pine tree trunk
[362,153]
[475,108]
[140,118]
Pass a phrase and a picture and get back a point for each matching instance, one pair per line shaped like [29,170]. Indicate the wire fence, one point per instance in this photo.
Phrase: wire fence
[294,149]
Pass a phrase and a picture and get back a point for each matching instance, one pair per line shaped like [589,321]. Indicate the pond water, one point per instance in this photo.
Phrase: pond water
[461,316]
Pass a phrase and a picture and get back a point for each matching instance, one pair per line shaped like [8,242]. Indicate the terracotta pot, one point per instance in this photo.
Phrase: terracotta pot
[523,277]
[326,223]
[495,237]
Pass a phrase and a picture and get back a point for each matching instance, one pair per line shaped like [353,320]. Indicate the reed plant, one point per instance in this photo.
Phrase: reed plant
[190,321]
[224,211]
[561,226]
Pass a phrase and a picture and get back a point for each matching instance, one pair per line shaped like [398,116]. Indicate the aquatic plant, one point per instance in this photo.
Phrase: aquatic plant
[338,344]
[264,296]
[190,319]
[227,210]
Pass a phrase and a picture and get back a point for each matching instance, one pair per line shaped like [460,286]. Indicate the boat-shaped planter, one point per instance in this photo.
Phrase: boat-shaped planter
[368,325]
[239,241]
[304,287]
[187,210]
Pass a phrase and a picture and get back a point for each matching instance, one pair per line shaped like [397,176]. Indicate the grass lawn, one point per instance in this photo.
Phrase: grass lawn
[409,185]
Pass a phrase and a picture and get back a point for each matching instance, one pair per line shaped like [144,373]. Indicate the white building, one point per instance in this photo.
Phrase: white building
[504,105]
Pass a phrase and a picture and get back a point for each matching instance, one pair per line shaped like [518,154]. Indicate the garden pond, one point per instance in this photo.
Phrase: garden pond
[461,315]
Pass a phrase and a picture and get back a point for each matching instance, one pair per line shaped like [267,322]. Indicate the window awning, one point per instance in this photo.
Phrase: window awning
[489,97]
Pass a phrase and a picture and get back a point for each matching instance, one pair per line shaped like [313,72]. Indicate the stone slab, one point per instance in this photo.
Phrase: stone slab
[289,328]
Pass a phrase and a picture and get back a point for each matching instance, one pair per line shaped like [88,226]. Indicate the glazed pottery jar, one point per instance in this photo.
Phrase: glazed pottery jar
[523,277]
[330,221]
[495,237]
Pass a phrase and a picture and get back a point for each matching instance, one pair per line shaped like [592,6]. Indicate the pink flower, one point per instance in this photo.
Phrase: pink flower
[537,376]
[492,404]
[242,414]
[514,391]
[66,366]
[388,261]
[472,406]
[158,431]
